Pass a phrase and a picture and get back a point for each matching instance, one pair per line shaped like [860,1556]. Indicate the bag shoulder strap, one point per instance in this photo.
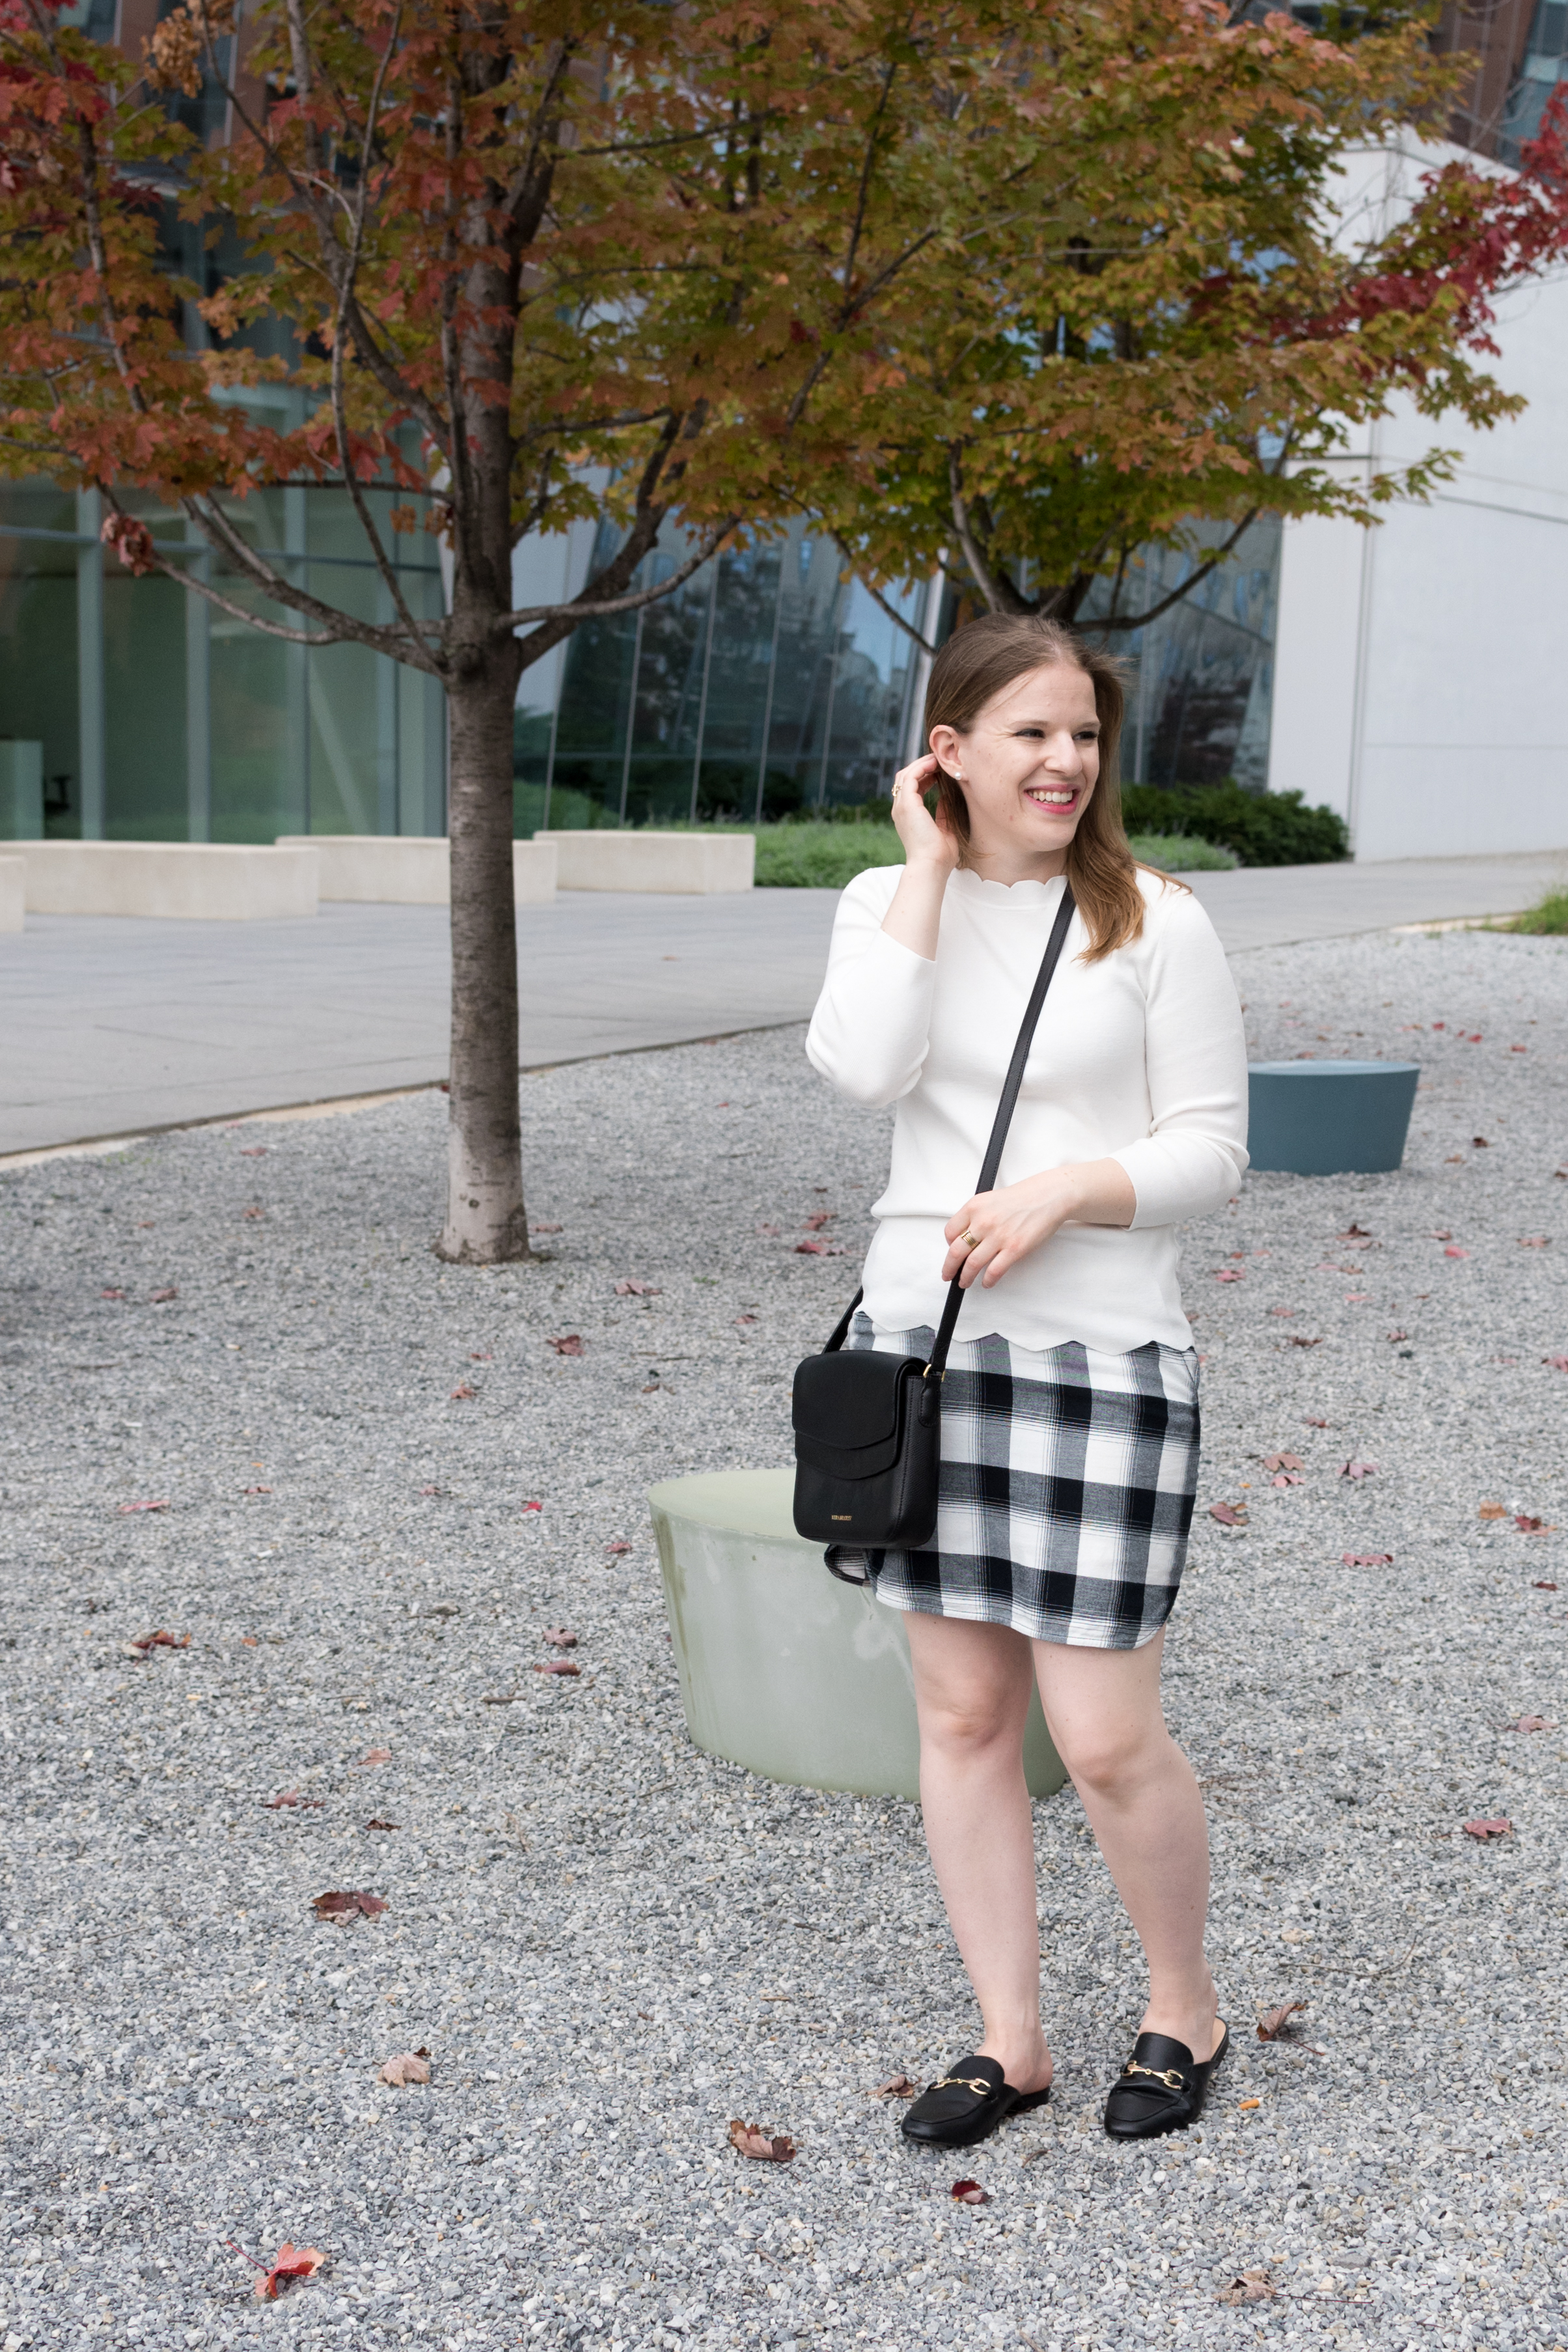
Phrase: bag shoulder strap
[1004,1117]
[1000,1126]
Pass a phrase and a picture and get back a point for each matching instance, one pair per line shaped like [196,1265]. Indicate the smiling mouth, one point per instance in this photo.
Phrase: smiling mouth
[1053,799]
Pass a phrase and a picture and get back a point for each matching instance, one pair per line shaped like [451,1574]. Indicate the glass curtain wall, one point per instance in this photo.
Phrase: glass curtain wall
[161,718]
[1543,69]
[766,685]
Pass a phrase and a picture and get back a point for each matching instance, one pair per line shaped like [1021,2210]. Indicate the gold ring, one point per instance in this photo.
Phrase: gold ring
[971,1239]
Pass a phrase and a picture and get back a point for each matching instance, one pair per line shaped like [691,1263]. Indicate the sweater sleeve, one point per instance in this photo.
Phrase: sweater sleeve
[1195,1154]
[870,1030]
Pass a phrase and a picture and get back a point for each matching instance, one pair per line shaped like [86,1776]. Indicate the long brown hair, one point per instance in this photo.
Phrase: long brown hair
[979,661]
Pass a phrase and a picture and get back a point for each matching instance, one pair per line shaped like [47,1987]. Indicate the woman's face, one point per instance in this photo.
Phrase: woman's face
[1028,766]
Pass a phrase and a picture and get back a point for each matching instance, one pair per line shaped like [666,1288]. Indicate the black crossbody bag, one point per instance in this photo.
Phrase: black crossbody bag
[867,1426]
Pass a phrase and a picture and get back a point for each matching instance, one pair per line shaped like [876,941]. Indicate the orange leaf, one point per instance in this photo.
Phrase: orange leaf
[291,2263]
[762,2147]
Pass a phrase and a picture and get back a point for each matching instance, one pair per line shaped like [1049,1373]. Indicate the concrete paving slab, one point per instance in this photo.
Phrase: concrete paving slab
[113,1026]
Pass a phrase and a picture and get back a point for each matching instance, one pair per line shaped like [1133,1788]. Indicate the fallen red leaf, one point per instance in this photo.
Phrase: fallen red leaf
[436,1490]
[1519,1049]
[1287,1478]
[1501,1827]
[350,1902]
[1480,1143]
[1454,1252]
[1229,1274]
[1541,1585]
[291,1797]
[819,1218]
[160,1297]
[556,1666]
[379,1825]
[376,1756]
[1395,1337]
[1558,1363]
[1359,1470]
[1296,1340]
[255,1215]
[461,1390]
[810,1249]
[749,1319]
[163,1505]
[1309,1421]
[970,2193]
[1529,1526]
[1283,1462]
[1535,1241]
[568,1344]
[614,1548]
[1441,1234]
[1281,1310]
[291,2263]
[533,1507]
[160,1641]
[1274,2023]
[408,2066]
[253,1151]
[1227,1515]
[762,2147]
[1367,1559]
[897,2086]
[112,1294]
[1530,1723]
[632,1289]
[258,1490]
[481,1356]
[559,1637]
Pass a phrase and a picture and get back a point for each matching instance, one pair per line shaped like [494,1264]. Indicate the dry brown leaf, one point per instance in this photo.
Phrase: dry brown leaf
[1501,1827]
[160,1641]
[291,1797]
[570,1343]
[376,1756]
[1227,1514]
[461,1391]
[1252,2286]
[559,1637]
[348,1903]
[897,2086]
[751,2140]
[1274,2023]
[556,1666]
[1283,1462]
[1492,1511]
[379,1825]
[1530,1723]
[408,2066]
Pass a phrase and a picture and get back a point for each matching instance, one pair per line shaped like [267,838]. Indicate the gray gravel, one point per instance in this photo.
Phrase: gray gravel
[608,1943]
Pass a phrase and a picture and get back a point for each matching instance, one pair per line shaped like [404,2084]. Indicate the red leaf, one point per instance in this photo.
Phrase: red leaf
[1274,2022]
[348,1903]
[291,2263]
[1395,1337]
[1501,1827]
[614,1549]
[1558,1363]
[1287,1478]
[819,1218]
[254,1214]
[632,1289]
[1452,1251]
[1535,1241]
[160,1297]
[1529,1723]
[408,2066]
[291,1797]
[160,1506]
[809,1249]
[1283,1462]
[559,1637]
[378,1823]
[440,1490]
[1297,1342]
[568,1344]
[1281,1310]
[376,1756]
[160,1641]
[1441,1234]
[258,1490]
[1227,1514]
[1359,1470]
[749,1319]
[1229,1274]
[112,1294]
[762,2147]
[556,1666]
[253,1151]
[132,542]
[1529,1526]
[527,1507]
[1367,1559]
[970,2193]
[461,1390]
[1309,1421]
[1541,1585]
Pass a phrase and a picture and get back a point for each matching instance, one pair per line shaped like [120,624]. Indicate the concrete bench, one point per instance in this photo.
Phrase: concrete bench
[1329,1119]
[13,892]
[393,869]
[697,863]
[198,881]
[782,1668]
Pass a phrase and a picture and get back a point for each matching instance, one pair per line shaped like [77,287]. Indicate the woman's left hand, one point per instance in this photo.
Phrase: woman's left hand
[993,1230]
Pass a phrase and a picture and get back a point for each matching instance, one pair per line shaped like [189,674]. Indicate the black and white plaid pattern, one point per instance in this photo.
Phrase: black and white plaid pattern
[1066,1493]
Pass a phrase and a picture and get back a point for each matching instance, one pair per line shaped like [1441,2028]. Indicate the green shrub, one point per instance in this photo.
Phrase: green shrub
[1262,828]
[1182,853]
[1548,920]
[822,856]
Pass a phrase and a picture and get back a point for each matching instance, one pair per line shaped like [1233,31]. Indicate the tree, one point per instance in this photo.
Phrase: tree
[1180,322]
[540,259]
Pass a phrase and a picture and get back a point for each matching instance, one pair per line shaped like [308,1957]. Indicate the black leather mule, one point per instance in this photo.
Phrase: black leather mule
[1161,2088]
[966,2105]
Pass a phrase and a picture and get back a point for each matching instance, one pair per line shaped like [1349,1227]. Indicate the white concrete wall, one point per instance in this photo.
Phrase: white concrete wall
[1417,667]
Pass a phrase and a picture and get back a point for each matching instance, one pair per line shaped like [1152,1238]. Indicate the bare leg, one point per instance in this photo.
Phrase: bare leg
[971,1693]
[1146,1809]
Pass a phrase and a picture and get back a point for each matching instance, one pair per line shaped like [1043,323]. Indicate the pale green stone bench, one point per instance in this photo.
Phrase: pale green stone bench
[783,1669]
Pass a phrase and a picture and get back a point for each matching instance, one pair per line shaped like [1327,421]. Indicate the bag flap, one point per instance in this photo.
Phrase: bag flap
[844,1403]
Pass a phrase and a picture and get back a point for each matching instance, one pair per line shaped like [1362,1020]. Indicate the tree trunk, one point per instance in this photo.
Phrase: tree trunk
[485,1221]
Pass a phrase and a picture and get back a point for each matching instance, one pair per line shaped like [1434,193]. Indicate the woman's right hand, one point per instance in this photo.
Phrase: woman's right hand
[927,840]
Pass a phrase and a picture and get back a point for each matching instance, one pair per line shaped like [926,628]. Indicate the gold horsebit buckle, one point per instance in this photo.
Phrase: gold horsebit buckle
[981,2088]
[1171,2076]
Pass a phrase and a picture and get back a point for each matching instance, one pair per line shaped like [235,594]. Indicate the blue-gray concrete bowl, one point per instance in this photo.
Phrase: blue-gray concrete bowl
[1329,1119]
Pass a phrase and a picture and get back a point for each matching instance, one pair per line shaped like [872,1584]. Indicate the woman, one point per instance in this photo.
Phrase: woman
[1070,1419]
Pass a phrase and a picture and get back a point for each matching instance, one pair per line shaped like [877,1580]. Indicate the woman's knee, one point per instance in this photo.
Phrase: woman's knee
[969,1724]
[1114,1762]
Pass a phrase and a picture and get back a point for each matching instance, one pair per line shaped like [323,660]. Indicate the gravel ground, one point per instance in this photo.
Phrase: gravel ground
[610,1944]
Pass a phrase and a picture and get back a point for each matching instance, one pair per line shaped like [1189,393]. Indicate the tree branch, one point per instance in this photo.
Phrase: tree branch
[997,590]
[589,607]
[1141,620]
[879,600]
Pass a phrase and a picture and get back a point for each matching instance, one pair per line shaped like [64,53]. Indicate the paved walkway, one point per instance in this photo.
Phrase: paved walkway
[113,1026]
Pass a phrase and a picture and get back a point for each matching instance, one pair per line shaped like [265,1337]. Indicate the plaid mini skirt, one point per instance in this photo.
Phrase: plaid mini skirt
[1066,1490]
